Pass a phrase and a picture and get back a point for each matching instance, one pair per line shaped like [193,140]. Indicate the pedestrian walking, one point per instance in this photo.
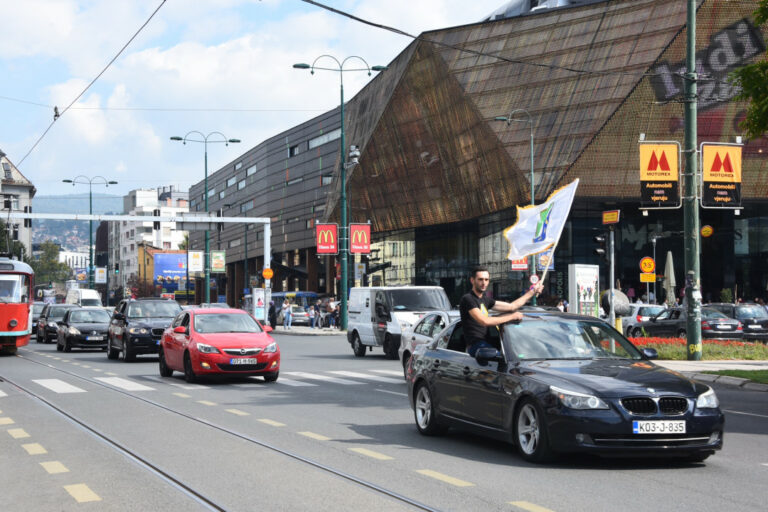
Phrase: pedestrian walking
[286,311]
[311,317]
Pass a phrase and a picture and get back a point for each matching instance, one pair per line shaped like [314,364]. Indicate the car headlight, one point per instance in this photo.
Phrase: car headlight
[272,347]
[74,331]
[206,349]
[138,330]
[574,400]
[707,400]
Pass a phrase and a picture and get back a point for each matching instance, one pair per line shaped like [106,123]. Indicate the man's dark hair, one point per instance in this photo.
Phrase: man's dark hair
[478,268]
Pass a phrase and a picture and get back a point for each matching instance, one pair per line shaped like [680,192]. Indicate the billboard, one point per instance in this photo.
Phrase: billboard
[218,261]
[360,238]
[659,174]
[170,270]
[327,238]
[721,174]
[195,261]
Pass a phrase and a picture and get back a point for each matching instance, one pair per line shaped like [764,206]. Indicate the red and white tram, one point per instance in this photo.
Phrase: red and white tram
[16,285]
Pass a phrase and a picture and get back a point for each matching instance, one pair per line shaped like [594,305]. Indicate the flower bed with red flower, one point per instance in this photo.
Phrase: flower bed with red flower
[675,348]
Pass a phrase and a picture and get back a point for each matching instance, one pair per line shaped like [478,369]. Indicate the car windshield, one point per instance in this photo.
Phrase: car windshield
[712,313]
[650,310]
[37,308]
[418,300]
[90,302]
[225,322]
[567,339]
[57,313]
[85,316]
[744,312]
[158,309]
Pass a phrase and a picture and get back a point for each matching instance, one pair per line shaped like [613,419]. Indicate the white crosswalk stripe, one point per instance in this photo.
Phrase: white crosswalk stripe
[170,382]
[325,378]
[365,376]
[124,384]
[296,383]
[389,372]
[58,386]
[2,393]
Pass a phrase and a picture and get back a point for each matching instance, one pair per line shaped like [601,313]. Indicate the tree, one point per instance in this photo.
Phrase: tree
[184,245]
[47,267]
[752,79]
[10,246]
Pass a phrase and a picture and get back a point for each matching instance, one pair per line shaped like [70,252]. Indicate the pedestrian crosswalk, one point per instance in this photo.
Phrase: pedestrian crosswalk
[288,379]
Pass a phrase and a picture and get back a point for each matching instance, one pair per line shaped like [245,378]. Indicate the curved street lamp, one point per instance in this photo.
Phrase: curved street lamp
[83,180]
[509,120]
[204,140]
[344,239]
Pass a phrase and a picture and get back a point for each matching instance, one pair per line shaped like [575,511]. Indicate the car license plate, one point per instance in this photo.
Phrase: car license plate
[241,361]
[94,338]
[753,326]
[721,326]
[659,427]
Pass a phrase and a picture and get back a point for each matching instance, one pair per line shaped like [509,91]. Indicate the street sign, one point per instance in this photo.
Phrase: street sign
[647,265]
[721,175]
[267,273]
[659,174]
[706,231]
[360,238]
[327,238]
[611,217]
[647,278]
[534,279]
[521,264]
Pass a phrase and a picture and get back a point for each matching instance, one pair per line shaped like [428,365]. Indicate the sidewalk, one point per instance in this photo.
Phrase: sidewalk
[303,330]
[694,370]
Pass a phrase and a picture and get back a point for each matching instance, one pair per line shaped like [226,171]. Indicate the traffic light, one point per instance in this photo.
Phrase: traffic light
[156,224]
[600,250]
[117,268]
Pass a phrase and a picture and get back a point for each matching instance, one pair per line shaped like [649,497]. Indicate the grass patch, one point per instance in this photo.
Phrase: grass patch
[675,349]
[760,376]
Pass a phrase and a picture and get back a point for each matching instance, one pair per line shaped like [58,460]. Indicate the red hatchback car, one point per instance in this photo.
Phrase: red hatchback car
[218,341]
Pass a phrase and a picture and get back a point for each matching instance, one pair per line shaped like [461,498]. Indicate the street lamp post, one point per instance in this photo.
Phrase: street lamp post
[344,239]
[90,181]
[509,119]
[204,140]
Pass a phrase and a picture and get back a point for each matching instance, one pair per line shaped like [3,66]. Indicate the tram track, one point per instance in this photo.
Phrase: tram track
[175,481]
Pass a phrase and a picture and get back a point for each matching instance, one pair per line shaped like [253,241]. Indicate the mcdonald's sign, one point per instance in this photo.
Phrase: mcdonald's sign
[721,175]
[360,238]
[659,174]
[327,238]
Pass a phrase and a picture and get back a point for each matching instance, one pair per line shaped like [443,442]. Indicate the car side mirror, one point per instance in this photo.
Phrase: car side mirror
[267,328]
[180,329]
[650,353]
[485,354]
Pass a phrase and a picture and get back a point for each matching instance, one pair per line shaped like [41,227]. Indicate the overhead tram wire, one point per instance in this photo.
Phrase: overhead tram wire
[61,113]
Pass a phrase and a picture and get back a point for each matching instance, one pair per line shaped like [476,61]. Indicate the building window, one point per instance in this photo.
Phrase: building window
[212,192]
[310,223]
[167,246]
[294,150]
[7,169]
[133,233]
[231,181]
[319,208]
[295,181]
[14,202]
[327,179]
[238,165]
[325,138]
[246,206]
[251,170]
[222,194]
[234,243]
[241,185]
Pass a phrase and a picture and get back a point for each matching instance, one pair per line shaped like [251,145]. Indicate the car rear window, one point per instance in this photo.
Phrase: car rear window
[650,310]
[756,311]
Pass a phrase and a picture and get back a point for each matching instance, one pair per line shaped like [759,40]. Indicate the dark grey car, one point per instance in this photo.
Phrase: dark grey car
[753,317]
[673,322]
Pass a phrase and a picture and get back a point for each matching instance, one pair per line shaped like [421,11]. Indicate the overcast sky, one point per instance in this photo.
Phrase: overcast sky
[195,54]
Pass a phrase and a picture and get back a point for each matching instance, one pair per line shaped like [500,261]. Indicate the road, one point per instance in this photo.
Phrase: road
[80,432]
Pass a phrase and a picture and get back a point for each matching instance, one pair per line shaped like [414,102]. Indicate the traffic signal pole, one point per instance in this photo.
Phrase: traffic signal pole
[690,211]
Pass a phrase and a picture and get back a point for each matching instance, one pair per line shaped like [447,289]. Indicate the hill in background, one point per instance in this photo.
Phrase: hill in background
[70,234]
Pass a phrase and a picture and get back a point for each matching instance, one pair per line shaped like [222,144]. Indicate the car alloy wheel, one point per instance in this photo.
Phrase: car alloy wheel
[357,346]
[637,332]
[531,433]
[424,412]
[165,371]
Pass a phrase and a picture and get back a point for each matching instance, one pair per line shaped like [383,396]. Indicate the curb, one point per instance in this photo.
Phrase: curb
[730,381]
[317,332]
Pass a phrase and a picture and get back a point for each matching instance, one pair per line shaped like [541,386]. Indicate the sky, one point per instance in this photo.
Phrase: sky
[198,65]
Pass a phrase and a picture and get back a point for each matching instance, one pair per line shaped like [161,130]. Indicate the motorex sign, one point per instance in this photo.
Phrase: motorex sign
[170,270]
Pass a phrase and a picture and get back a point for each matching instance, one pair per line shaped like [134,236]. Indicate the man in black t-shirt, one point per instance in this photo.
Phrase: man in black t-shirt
[474,308]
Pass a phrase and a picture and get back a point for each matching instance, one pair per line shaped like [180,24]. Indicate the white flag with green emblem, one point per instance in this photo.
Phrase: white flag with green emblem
[538,227]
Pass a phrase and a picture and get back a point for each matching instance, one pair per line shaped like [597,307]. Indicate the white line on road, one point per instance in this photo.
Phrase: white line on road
[746,413]
[58,386]
[325,378]
[2,393]
[368,377]
[124,384]
[171,383]
[289,382]
[392,392]
[389,372]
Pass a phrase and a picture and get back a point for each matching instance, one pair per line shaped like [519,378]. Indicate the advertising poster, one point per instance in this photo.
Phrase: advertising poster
[259,303]
[659,174]
[545,260]
[101,275]
[360,238]
[584,289]
[81,275]
[327,238]
[170,271]
[218,261]
[195,261]
[721,175]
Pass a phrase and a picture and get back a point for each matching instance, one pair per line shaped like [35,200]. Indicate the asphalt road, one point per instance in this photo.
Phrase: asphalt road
[333,433]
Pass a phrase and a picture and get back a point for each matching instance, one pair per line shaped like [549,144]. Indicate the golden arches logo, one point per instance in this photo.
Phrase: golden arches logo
[326,236]
[360,237]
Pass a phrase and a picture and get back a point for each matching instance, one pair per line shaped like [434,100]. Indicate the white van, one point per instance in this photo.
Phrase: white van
[83,297]
[377,315]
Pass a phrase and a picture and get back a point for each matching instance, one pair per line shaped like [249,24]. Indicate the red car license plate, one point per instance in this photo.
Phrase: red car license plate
[242,361]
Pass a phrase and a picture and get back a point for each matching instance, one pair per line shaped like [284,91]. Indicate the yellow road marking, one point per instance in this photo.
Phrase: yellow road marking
[57,358]
[444,478]
[237,412]
[82,493]
[110,373]
[317,437]
[76,364]
[97,370]
[54,467]
[18,433]
[86,366]
[64,360]
[6,421]
[531,507]
[182,395]
[371,453]
[206,402]
[272,422]
[34,448]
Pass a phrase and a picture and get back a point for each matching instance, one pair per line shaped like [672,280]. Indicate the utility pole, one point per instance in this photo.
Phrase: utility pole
[690,208]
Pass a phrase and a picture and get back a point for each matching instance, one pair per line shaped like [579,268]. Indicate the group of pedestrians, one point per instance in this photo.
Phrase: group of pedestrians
[315,312]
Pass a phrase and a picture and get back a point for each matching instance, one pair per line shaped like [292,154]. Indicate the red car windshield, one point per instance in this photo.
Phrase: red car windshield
[225,322]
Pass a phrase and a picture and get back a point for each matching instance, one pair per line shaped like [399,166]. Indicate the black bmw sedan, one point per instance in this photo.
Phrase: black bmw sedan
[561,383]
[83,328]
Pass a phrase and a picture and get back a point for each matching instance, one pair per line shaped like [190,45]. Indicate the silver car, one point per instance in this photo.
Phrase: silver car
[424,331]
[639,313]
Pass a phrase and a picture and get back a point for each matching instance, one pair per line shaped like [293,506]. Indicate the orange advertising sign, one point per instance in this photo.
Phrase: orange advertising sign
[327,238]
[360,238]
[611,217]
[659,174]
[521,264]
[721,174]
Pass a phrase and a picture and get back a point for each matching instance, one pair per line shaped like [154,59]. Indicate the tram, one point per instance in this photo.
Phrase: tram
[16,285]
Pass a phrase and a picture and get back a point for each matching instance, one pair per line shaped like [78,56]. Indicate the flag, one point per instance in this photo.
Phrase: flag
[538,227]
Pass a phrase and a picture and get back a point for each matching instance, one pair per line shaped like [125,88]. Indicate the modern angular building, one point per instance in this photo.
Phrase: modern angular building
[439,177]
